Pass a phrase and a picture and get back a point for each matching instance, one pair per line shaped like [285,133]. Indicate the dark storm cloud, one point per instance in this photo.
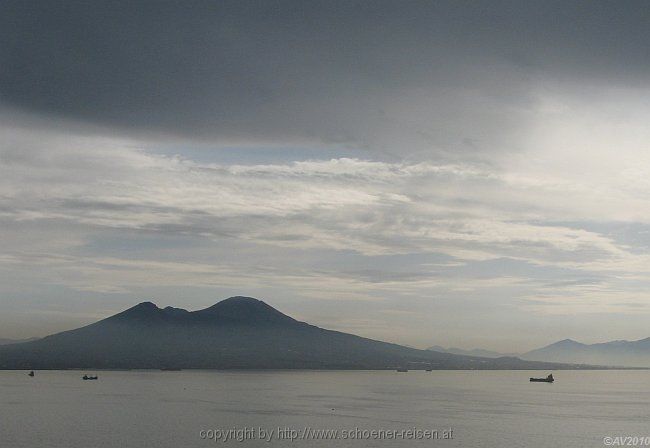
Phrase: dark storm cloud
[420,74]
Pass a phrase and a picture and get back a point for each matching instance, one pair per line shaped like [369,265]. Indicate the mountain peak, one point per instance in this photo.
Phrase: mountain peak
[142,310]
[245,309]
[234,310]
[146,305]
[240,300]
[567,342]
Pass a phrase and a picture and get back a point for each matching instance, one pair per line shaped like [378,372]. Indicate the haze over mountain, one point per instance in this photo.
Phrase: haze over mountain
[471,352]
[239,332]
[15,341]
[614,353]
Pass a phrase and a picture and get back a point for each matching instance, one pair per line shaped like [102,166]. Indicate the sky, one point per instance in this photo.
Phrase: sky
[469,174]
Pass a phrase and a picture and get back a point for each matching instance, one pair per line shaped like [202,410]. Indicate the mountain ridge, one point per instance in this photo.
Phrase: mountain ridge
[614,353]
[235,333]
[471,352]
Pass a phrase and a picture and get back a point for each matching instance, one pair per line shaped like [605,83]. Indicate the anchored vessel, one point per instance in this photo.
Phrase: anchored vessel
[548,379]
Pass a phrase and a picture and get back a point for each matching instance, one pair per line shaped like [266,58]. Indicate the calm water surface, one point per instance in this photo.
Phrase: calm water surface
[170,409]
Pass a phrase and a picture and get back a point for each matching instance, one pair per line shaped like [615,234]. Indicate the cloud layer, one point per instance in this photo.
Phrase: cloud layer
[417,78]
[446,172]
[111,217]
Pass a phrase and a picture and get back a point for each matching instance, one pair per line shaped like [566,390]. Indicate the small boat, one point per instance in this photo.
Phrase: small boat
[429,370]
[402,370]
[31,373]
[548,379]
[86,377]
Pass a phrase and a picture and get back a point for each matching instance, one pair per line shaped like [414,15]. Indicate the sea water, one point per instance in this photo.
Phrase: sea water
[187,409]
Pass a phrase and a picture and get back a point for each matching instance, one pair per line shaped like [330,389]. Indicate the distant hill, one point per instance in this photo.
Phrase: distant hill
[237,333]
[15,341]
[472,352]
[615,353]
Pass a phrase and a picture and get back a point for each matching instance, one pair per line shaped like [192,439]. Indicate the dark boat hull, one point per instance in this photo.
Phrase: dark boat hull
[540,380]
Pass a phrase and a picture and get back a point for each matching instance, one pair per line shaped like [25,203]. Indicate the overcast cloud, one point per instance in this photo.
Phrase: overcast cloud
[446,172]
